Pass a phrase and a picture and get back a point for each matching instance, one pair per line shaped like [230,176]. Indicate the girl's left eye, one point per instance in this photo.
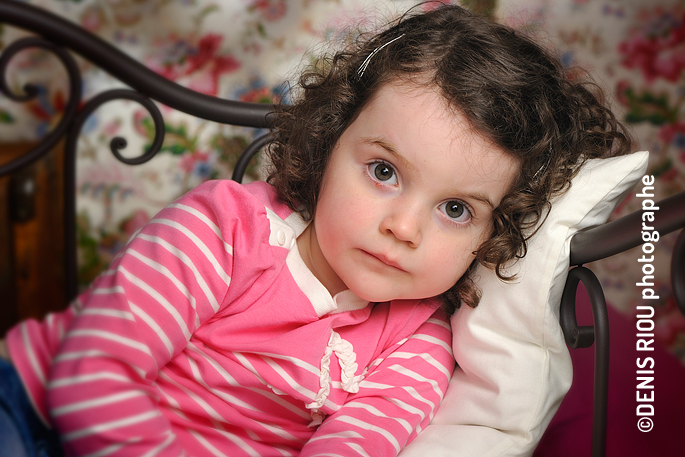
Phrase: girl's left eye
[456,211]
[383,173]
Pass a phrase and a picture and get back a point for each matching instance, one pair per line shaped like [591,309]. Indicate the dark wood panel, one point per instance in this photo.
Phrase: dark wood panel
[8,299]
[31,238]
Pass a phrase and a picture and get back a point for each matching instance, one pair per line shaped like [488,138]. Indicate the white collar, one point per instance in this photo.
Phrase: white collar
[316,292]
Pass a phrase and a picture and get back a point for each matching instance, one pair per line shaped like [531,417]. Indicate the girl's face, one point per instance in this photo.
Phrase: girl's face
[406,199]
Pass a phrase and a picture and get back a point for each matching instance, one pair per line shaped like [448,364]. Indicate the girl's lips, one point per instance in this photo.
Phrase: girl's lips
[385,260]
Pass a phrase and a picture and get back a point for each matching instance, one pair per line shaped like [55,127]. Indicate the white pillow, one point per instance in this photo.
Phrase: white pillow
[514,364]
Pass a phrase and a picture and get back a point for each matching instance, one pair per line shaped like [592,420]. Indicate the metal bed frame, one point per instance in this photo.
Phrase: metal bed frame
[60,37]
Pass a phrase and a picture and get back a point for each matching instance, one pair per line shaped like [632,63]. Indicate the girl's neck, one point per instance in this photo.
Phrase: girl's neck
[308,245]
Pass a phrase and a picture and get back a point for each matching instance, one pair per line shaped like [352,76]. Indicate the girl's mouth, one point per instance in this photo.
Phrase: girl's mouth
[385,260]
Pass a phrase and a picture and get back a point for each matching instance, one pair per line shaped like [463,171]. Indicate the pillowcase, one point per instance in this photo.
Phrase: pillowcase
[514,365]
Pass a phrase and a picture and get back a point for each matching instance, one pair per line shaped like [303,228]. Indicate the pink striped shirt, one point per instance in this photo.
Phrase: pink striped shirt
[208,336]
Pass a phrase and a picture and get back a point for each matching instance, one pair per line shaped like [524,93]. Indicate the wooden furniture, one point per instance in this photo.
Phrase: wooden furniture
[32,279]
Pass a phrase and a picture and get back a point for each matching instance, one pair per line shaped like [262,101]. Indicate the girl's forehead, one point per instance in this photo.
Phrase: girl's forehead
[410,103]
[417,118]
[433,143]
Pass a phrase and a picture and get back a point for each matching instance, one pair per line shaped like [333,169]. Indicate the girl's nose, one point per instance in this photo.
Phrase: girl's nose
[404,223]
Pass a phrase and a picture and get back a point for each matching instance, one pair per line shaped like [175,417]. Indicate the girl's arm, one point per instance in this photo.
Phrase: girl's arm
[396,400]
[171,278]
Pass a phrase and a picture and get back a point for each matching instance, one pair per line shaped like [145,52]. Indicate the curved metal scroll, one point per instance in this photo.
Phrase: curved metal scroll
[582,337]
[30,92]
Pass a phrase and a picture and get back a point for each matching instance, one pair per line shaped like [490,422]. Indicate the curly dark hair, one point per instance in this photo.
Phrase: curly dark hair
[509,88]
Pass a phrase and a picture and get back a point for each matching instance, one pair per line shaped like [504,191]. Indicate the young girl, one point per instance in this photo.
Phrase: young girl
[309,316]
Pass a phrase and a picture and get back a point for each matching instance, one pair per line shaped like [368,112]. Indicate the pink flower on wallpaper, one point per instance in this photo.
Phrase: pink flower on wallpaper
[621,88]
[198,63]
[45,108]
[271,10]
[140,117]
[657,47]
[430,6]
[194,161]
[260,95]
[258,92]
[111,128]
[674,134]
[93,19]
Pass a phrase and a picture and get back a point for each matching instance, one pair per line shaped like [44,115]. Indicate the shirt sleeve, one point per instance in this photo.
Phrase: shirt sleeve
[396,400]
[139,314]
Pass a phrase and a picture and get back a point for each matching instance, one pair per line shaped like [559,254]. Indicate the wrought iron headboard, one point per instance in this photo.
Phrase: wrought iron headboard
[58,35]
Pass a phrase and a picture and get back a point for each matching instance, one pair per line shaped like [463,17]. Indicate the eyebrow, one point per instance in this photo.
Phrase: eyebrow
[391,149]
[482,198]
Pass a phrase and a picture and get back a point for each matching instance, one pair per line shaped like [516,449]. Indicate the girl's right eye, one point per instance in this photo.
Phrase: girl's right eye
[383,173]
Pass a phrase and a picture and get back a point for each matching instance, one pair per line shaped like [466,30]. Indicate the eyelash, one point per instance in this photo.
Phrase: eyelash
[372,176]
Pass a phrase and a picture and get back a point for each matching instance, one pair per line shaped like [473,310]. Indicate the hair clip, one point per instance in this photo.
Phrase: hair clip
[362,67]
[544,166]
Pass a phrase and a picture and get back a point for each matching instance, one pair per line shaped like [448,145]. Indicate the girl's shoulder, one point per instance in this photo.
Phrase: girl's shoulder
[222,188]
[224,197]
[266,194]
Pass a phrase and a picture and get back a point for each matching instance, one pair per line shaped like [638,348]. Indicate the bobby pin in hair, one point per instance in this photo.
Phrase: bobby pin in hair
[362,67]
[544,166]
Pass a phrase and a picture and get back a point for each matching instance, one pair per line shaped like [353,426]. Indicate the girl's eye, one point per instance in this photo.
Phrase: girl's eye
[382,172]
[456,211]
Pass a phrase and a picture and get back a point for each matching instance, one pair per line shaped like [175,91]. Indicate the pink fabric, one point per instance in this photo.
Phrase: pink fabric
[570,432]
[199,339]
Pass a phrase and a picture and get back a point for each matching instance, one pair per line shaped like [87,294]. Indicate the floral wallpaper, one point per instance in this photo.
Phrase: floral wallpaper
[247,49]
